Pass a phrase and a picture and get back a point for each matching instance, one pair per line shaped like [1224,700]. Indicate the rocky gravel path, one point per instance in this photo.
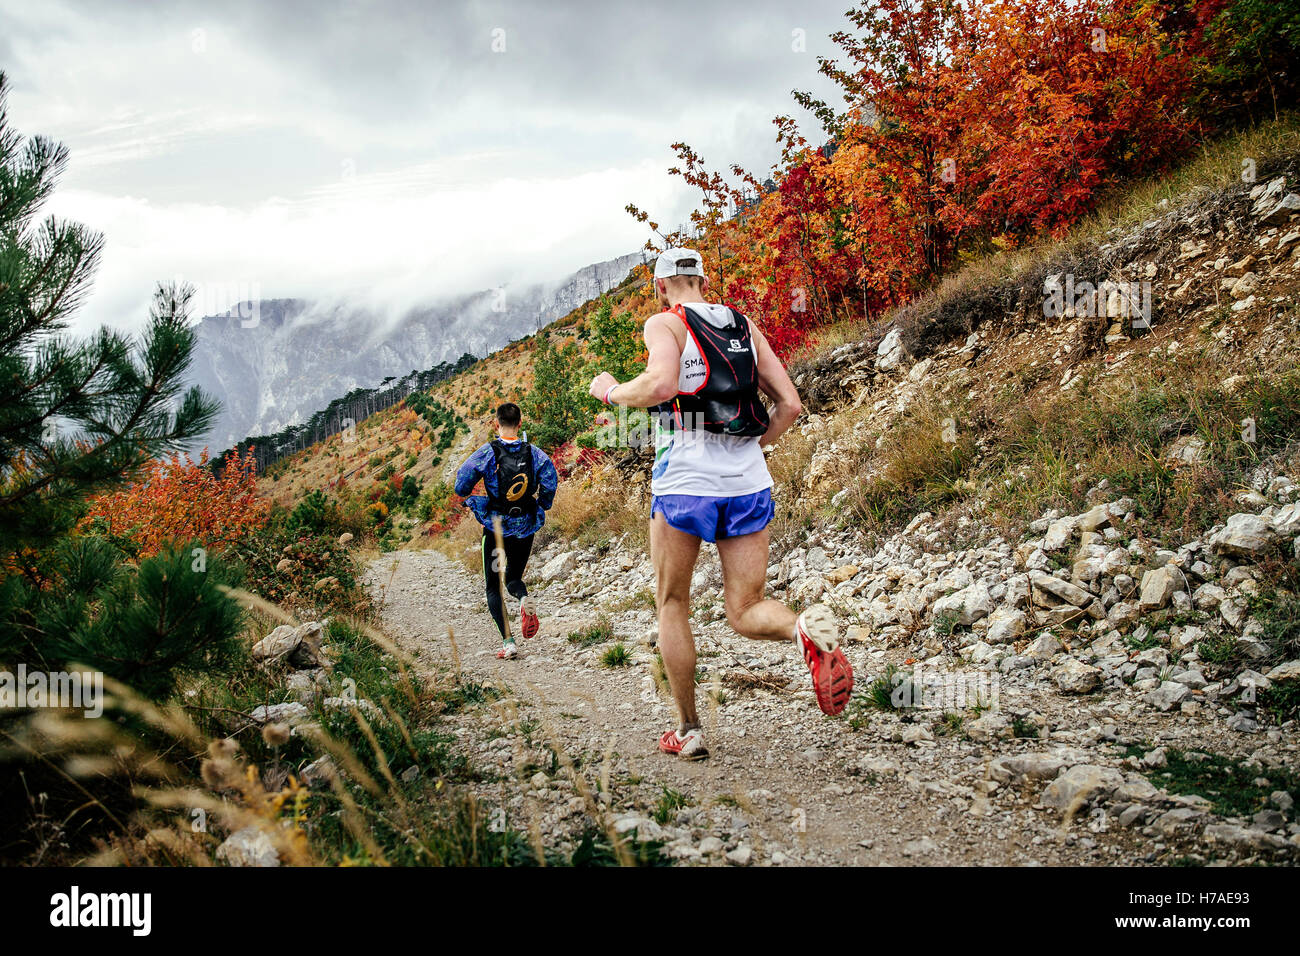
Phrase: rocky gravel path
[783,785]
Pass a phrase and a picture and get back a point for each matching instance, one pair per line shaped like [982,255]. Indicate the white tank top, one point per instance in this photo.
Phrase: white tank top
[696,462]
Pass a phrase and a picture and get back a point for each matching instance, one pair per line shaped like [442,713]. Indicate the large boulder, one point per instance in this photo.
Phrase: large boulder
[1232,835]
[1285,672]
[248,847]
[1234,613]
[889,353]
[808,589]
[277,644]
[1044,647]
[1094,518]
[822,465]
[1005,624]
[1123,613]
[1080,785]
[1010,768]
[990,725]
[291,712]
[1244,536]
[1167,696]
[1059,533]
[299,646]
[1266,195]
[319,773]
[1075,677]
[1281,211]
[306,685]
[1208,597]
[562,565]
[1115,561]
[1018,590]
[1087,570]
[966,606]
[1159,585]
[843,573]
[1186,450]
[1286,522]
[1063,591]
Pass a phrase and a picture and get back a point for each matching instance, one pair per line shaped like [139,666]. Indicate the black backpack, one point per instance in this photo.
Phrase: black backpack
[727,401]
[516,479]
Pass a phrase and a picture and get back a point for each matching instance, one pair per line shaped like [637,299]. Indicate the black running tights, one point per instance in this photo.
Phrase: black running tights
[516,559]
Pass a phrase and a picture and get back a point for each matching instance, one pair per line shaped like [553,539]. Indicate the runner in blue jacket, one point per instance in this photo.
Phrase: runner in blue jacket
[519,481]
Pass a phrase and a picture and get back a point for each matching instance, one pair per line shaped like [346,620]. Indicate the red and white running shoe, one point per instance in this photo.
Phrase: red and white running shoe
[508,651]
[818,637]
[529,625]
[689,746]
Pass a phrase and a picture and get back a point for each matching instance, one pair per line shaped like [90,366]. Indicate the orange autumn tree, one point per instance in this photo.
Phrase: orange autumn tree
[179,500]
[1065,99]
[995,121]
[965,127]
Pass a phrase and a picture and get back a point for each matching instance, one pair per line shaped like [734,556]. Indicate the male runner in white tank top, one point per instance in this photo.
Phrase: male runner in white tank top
[706,367]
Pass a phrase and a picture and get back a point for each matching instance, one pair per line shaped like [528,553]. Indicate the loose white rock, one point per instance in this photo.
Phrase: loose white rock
[1075,677]
[248,847]
[1080,785]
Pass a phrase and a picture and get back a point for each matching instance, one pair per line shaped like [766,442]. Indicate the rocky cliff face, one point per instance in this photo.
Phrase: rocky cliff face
[274,362]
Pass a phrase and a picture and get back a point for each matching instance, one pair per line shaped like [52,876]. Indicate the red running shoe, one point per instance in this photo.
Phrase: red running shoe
[529,625]
[819,639]
[688,747]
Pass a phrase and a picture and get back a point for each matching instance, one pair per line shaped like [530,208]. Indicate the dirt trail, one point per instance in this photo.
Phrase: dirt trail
[782,780]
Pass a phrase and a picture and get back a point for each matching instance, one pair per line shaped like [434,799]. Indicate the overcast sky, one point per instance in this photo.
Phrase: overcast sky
[385,150]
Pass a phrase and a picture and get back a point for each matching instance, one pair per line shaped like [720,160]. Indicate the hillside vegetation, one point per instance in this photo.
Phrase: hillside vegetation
[1096,507]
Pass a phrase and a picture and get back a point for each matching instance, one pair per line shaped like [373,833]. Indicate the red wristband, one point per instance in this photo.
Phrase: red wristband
[608,390]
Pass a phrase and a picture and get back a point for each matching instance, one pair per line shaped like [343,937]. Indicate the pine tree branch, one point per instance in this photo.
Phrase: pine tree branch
[56,409]
[78,273]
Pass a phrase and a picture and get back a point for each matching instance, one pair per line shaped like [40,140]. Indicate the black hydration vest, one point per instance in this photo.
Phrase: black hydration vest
[727,400]
[516,479]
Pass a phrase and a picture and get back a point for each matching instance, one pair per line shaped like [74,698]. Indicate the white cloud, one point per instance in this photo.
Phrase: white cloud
[380,151]
[388,247]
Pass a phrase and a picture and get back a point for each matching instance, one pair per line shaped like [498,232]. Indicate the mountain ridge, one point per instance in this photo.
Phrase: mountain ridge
[274,362]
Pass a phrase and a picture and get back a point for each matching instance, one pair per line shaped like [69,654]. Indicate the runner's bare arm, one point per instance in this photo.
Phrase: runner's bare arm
[776,385]
[658,383]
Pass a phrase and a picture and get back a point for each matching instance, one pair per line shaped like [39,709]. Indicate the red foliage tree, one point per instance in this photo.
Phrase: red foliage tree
[967,125]
[178,500]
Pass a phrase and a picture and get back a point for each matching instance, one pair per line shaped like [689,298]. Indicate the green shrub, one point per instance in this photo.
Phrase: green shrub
[1277,608]
[435,499]
[1233,788]
[616,656]
[310,558]
[553,414]
[315,514]
[145,625]
[670,801]
[596,633]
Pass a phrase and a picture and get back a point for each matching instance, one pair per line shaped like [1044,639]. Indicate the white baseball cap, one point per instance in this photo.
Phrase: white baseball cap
[679,262]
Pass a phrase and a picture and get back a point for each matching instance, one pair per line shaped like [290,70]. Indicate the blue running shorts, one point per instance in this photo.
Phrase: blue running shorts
[712,518]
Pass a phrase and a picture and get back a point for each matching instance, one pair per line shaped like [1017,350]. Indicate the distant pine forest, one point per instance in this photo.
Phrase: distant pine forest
[355,406]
